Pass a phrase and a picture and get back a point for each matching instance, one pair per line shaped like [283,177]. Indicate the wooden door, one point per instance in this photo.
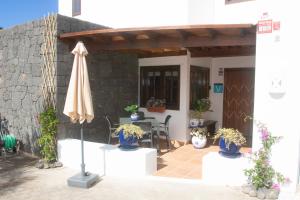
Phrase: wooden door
[238,100]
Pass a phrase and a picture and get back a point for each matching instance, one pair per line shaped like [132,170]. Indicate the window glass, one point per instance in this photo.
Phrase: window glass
[163,83]
[76,7]
[199,84]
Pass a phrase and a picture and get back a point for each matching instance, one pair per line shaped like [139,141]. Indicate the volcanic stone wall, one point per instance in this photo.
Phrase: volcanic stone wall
[113,77]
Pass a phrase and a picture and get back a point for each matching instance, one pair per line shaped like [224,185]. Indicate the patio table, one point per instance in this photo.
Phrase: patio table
[155,124]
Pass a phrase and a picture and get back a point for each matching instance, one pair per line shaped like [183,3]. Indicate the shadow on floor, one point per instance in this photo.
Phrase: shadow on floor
[13,171]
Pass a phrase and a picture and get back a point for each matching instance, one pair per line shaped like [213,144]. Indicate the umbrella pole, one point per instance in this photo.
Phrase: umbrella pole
[82,152]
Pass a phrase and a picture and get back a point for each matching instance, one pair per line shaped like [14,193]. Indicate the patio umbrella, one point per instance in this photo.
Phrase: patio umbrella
[79,107]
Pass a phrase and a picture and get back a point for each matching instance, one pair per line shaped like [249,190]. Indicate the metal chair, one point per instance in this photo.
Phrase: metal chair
[164,130]
[148,132]
[112,127]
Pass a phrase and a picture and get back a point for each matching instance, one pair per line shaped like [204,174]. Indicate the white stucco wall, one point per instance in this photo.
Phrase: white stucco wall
[143,13]
[236,13]
[130,13]
[217,12]
[179,120]
[201,12]
[277,58]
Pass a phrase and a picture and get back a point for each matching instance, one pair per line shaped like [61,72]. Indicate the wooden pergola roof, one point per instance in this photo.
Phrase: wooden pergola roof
[200,40]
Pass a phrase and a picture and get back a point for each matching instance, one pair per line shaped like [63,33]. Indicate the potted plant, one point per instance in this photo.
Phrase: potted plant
[156,105]
[230,142]
[129,135]
[133,109]
[199,107]
[199,139]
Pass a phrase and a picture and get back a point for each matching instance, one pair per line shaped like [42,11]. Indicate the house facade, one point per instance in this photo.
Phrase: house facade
[191,12]
[275,61]
[118,79]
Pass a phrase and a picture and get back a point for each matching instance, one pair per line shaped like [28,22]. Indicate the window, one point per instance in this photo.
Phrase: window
[76,7]
[235,1]
[160,82]
[199,84]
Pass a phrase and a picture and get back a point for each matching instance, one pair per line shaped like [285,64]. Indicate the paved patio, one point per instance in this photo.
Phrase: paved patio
[20,180]
[185,161]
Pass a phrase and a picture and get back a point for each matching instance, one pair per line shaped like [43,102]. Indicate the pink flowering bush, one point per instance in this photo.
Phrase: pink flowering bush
[262,175]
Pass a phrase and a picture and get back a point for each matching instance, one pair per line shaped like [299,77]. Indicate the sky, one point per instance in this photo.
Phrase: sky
[14,12]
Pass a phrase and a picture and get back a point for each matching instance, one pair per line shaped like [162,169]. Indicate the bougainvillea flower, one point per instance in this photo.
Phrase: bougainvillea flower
[276,186]
[264,134]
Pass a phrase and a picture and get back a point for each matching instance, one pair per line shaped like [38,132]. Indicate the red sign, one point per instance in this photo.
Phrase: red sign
[264,26]
[276,26]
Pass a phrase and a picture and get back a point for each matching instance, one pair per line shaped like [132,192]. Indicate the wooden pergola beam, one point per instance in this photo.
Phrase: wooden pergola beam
[191,41]
[223,51]
[159,30]
[143,40]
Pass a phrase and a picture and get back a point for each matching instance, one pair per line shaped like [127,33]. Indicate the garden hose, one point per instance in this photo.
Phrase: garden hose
[10,142]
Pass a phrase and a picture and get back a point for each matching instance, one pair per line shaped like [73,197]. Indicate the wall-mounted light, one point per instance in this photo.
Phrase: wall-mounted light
[277,87]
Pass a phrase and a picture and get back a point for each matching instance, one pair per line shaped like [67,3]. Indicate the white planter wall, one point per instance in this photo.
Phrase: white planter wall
[105,159]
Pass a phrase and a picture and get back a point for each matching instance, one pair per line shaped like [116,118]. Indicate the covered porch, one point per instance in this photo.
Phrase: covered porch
[189,49]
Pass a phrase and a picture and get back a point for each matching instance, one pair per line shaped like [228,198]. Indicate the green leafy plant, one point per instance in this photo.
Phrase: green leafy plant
[199,132]
[130,130]
[230,135]
[262,174]
[132,108]
[47,141]
[199,107]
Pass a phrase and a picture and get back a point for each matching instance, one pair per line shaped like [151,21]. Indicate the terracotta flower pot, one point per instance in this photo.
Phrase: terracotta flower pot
[156,109]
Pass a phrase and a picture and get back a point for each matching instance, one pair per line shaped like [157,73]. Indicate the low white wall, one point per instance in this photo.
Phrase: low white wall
[179,120]
[137,163]
[69,153]
[105,159]
[234,176]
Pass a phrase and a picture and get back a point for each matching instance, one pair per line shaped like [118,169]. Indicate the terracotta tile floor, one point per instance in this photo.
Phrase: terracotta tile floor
[184,161]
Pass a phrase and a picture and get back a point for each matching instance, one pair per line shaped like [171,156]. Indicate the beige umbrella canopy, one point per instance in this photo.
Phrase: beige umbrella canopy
[79,105]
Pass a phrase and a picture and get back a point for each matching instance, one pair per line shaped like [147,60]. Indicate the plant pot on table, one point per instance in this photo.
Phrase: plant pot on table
[194,122]
[134,117]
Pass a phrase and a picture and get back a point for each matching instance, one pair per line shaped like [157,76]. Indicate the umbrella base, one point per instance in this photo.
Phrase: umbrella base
[83,181]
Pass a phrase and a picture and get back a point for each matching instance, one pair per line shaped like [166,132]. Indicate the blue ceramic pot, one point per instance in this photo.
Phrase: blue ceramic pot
[232,152]
[127,143]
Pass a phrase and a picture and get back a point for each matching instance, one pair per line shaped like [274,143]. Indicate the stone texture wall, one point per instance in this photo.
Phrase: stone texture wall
[113,77]
[20,79]
[113,80]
